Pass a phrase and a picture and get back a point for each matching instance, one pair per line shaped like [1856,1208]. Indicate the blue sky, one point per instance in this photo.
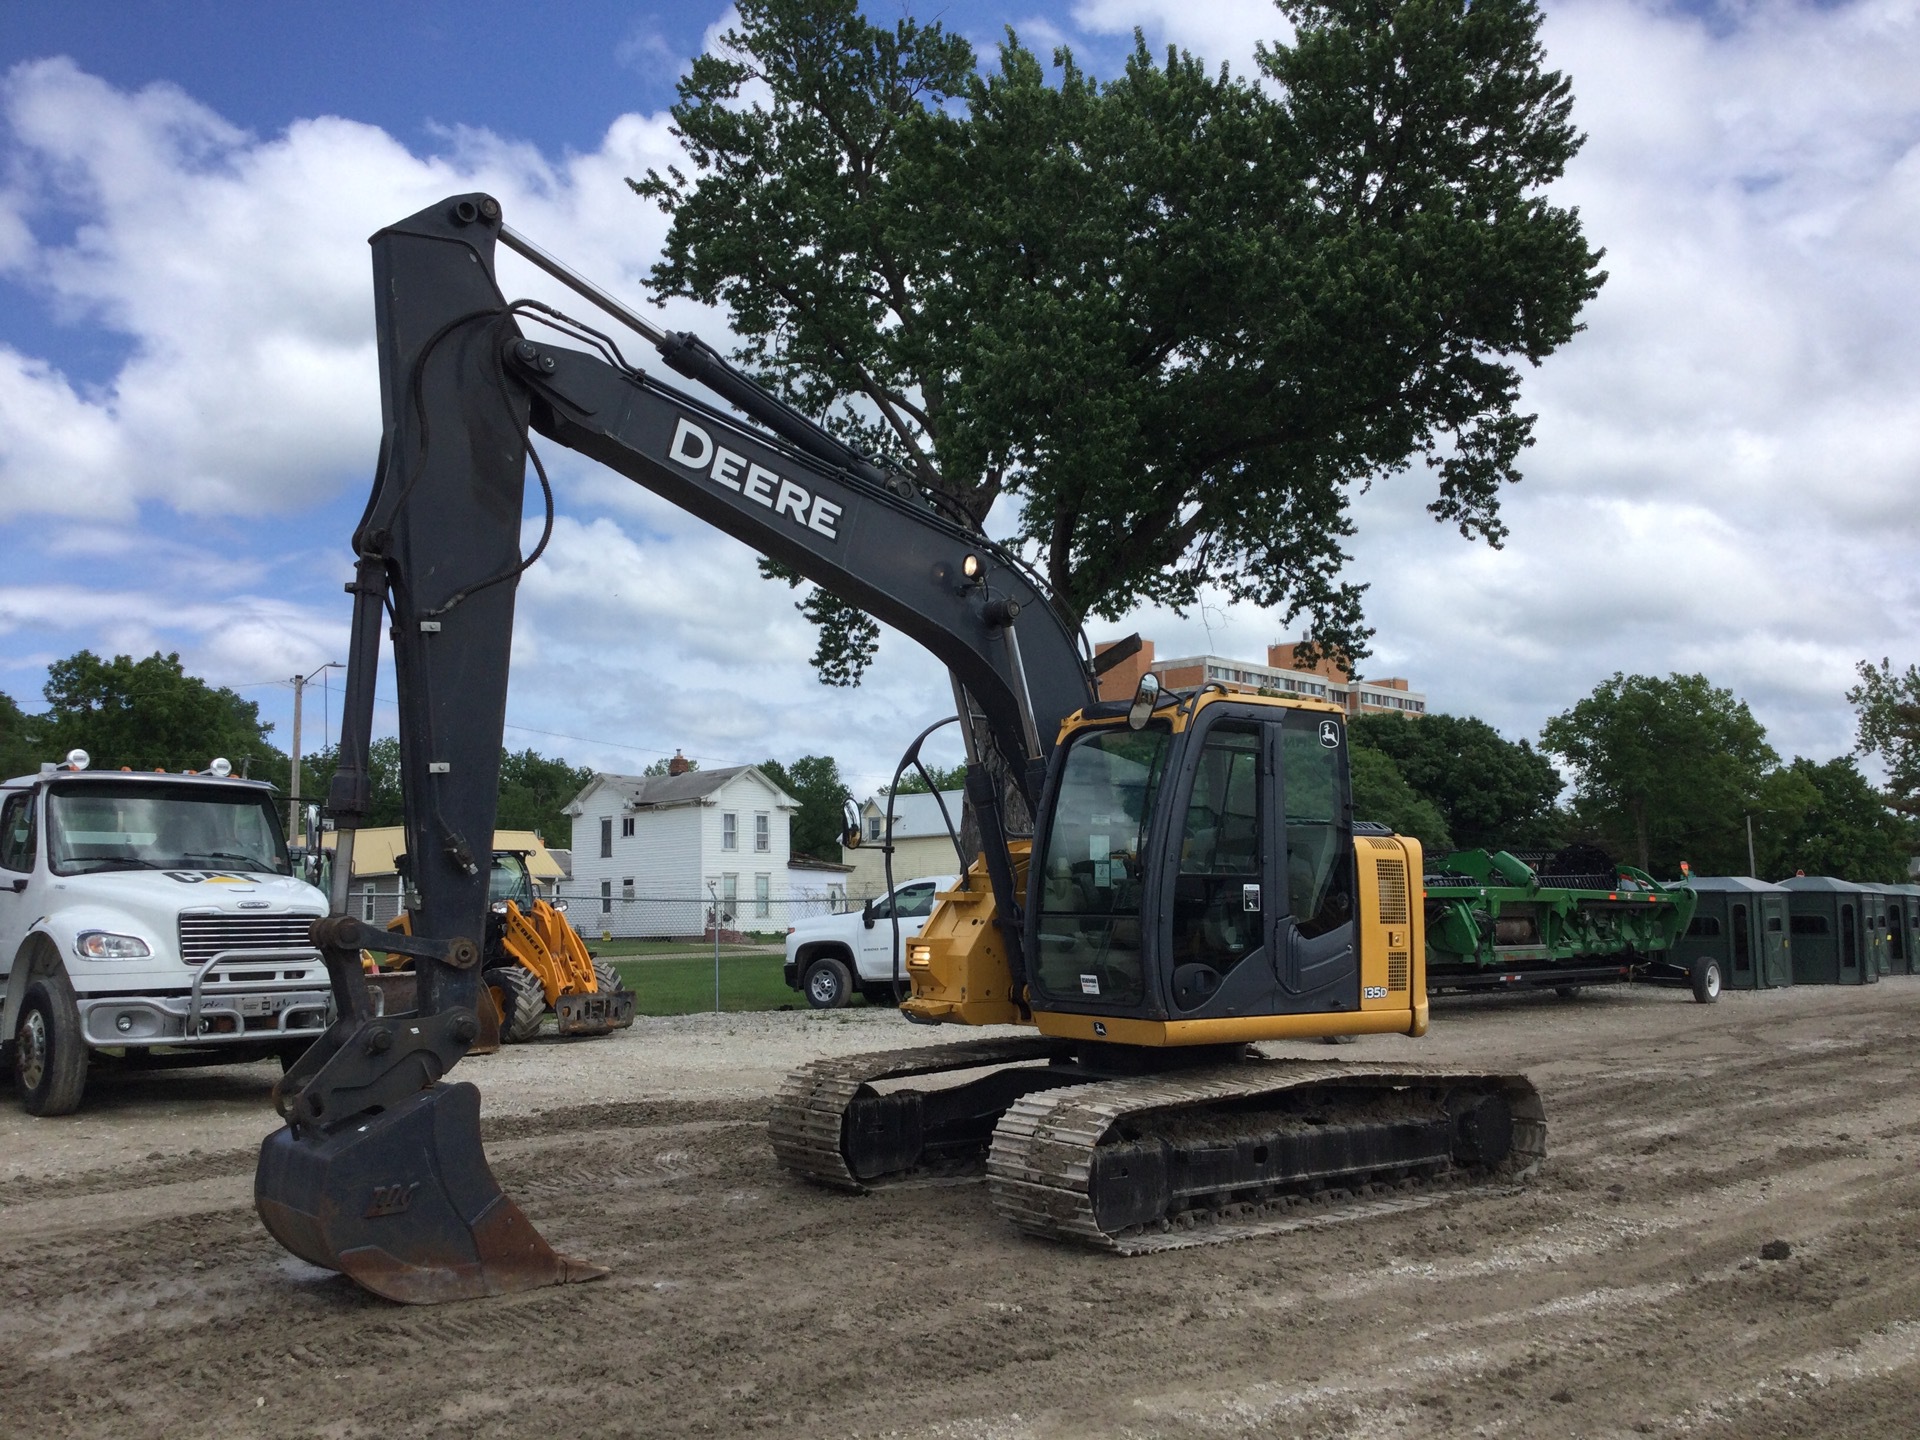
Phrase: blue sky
[1723,482]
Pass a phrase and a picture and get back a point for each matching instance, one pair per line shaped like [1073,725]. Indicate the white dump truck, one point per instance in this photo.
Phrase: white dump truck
[149,919]
[831,957]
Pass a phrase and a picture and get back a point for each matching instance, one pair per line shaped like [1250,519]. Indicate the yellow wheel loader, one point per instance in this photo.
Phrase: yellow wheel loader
[535,962]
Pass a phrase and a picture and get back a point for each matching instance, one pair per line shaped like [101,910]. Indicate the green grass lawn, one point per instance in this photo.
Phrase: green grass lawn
[682,984]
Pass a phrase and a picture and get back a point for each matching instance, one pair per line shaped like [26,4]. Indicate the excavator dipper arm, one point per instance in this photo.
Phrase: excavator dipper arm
[399,1195]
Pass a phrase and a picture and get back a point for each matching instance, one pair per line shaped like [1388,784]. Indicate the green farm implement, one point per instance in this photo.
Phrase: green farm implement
[1563,919]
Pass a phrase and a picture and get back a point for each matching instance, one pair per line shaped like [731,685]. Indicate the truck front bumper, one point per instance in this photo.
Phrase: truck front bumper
[236,998]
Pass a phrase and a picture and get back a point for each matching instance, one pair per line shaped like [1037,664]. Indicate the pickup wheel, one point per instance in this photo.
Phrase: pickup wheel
[523,1001]
[49,1056]
[828,984]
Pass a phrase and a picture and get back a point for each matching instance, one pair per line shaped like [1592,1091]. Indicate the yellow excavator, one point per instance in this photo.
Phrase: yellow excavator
[1192,879]
[535,962]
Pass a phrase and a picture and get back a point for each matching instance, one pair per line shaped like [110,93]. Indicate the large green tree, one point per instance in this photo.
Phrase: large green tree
[1175,318]
[534,791]
[813,780]
[21,745]
[1887,705]
[1490,792]
[1827,819]
[1381,792]
[151,714]
[1665,770]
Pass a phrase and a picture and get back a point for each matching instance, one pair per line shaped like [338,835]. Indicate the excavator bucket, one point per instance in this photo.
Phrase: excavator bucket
[404,1204]
[378,1172]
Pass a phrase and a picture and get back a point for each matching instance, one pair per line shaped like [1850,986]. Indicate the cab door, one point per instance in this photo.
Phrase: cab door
[19,851]
[1315,941]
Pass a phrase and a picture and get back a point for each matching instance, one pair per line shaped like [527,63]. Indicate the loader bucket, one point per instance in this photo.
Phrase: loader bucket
[403,1203]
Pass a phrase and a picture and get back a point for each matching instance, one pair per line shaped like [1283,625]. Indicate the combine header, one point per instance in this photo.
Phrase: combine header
[1501,920]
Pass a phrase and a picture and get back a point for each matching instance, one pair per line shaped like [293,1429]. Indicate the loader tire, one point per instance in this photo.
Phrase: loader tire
[606,979]
[523,1002]
[49,1055]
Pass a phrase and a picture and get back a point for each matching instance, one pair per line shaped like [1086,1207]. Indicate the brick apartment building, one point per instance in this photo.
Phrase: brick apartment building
[1282,674]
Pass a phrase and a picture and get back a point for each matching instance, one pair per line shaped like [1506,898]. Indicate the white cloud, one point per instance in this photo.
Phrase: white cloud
[1723,479]
[1728,458]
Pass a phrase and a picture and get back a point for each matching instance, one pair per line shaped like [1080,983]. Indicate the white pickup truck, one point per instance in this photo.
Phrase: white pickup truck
[829,957]
[149,919]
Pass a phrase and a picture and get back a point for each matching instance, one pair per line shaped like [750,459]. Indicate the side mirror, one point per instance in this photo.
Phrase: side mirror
[866,913]
[850,826]
[1144,700]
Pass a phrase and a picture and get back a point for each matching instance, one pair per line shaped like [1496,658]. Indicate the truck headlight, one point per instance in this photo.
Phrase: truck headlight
[105,945]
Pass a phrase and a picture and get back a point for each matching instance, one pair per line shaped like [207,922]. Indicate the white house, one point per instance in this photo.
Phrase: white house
[651,853]
[921,842]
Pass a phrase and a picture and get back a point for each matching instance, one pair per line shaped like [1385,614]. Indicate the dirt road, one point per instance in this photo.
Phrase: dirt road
[1624,1293]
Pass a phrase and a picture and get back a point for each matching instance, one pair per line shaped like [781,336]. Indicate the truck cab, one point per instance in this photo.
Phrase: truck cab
[832,957]
[149,918]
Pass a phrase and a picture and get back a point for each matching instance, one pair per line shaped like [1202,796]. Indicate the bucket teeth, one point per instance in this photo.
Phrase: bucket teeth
[403,1203]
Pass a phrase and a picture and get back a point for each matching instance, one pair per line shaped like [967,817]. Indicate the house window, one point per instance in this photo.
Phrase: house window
[626,827]
[606,897]
[366,904]
[626,888]
[729,831]
[873,828]
[606,837]
[762,896]
[762,833]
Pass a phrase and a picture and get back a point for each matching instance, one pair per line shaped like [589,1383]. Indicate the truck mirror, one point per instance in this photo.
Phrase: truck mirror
[866,913]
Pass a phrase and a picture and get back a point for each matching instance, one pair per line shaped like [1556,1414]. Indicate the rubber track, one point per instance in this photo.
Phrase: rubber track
[805,1123]
[1043,1147]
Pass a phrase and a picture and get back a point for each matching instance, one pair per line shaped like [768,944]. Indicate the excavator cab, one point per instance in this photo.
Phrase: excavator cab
[1203,872]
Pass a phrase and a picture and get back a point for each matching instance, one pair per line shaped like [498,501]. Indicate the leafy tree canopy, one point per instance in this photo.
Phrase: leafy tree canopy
[1381,792]
[1175,317]
[1666,770]
[534,791]
[944,778]
[1887,704]
[1826,819]
[1489,791]
[813,780]
[151,714]
[21,746]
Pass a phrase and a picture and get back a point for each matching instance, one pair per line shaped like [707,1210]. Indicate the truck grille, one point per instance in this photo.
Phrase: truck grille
[204,936]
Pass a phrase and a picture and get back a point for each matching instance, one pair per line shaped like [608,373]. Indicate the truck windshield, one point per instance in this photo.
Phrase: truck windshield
[128,825]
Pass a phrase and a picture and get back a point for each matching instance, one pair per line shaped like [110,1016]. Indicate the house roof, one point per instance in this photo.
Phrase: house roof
[375,847]
[916,816]
[658,792]
[807,862]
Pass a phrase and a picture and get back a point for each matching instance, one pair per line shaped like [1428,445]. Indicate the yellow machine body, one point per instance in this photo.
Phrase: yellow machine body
[961,974]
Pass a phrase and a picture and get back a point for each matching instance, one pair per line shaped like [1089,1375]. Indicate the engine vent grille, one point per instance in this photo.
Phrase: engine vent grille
[1399,966]
[1381,844]
[1393,891]
[204,936]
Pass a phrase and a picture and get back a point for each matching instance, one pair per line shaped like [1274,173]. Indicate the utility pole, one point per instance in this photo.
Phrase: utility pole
[1753,867]
[300,683]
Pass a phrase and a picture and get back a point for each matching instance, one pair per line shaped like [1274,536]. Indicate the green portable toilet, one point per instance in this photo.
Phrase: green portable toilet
[1827,924]
[1873,908]
[1903,929]
[1742,923]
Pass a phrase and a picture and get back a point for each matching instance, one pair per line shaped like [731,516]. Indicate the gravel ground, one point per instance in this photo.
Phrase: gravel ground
[1725,1241]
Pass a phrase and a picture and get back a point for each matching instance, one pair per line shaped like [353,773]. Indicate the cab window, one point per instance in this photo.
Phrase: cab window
[915,901]
[17,833]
